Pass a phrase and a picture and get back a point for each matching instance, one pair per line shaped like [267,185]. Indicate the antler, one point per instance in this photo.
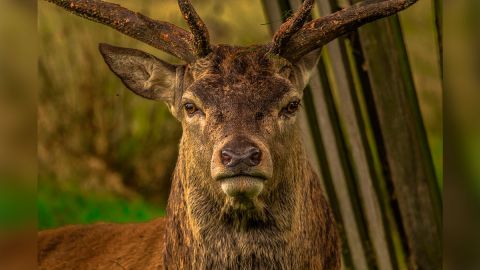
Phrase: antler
[198,28]
[161,35]
[319,32]
[290,27]
[292,41]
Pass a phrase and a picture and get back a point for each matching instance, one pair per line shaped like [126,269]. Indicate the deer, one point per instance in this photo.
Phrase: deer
[243,195]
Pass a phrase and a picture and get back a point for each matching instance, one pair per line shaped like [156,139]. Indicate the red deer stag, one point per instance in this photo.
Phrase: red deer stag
[243,193]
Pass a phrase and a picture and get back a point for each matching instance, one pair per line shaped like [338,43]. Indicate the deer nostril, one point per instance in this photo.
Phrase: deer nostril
[255,157]
[226,157]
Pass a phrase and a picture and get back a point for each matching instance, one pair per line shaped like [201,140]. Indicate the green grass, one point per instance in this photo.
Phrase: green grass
[16,204]
[61,206]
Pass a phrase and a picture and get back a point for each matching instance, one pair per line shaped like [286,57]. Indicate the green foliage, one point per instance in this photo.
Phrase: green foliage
[16,201]
[59,206]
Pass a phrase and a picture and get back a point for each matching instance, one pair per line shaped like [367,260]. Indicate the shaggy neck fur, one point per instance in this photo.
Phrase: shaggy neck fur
[295,230]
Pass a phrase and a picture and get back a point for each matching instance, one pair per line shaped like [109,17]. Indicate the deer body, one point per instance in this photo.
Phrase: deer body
[243,193]
[103,246]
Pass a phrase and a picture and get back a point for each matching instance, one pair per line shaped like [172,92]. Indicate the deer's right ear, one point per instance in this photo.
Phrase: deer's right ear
[141,72]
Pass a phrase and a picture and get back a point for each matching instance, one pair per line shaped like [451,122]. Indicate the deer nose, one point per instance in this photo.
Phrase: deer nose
[250,156]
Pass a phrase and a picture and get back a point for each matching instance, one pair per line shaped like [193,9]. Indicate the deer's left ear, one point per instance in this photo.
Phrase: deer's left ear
[144,74]
[304,67]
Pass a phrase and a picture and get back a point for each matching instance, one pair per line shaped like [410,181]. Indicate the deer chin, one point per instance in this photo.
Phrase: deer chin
[244,214]
[242,188]
[243,209]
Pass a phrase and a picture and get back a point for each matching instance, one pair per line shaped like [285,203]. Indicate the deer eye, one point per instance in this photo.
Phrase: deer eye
[190,108]
[291,108]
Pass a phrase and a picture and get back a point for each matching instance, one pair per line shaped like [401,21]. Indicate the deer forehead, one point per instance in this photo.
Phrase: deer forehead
[220,92]
[240,76]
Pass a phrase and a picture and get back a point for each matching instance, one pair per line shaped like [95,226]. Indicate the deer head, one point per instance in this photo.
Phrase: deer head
[237,105]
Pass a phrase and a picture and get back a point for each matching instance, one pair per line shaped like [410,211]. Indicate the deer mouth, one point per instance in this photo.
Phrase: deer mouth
[242,185]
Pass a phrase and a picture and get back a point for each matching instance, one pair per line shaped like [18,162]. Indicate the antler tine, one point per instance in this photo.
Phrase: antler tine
[161,35]
[290,27]
[319,32]
[198,28]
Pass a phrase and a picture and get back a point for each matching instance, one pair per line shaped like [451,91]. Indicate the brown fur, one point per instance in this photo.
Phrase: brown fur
[241,92]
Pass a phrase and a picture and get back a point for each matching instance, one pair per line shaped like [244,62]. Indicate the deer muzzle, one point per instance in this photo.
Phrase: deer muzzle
[242,166]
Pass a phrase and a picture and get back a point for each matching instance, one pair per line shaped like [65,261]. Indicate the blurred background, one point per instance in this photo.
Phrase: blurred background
[18,59]
[106,154]
[462,133]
